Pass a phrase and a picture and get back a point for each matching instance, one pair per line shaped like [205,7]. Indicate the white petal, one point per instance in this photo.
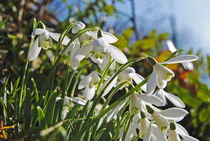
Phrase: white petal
[163,72]
[111,85]
[148,133]
[188,66]
[158,133]
[78,26]
[117,54]
[144,124]
[180,129]
[151,99]
[109,37]
[173,136]
[151,83]
[161,121]
[189,138]
[81,53]
[181,59]
[104,63]
[89,92]
[78,100]
[171,46]
[34,50]
[174,113]
[73,61]
[138,79]
[37,31]
[136,104]
[84,82]
[64,112]
[160,94]
[114,111]
[57,99]
[56,37]
[175,100]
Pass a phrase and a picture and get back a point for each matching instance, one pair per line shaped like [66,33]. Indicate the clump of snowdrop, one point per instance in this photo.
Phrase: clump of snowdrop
[145,104]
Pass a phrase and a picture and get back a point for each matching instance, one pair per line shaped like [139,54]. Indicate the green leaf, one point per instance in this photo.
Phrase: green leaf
[153,33]
[41,116]
[14,91]
[50,107]
[36,95]
[4,109]
[2,23]
[128,33]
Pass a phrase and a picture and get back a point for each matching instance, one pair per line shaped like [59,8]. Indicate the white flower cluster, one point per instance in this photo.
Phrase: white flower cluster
[152,122]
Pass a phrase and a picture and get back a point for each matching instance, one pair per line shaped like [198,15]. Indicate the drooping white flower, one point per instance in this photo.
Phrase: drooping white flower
[176,130]
[66,104]
[90,84]
[163,117]
[44,40]
[129,74]
[154,133]
[143,124]
[161,74]
[138,102]
[102,50]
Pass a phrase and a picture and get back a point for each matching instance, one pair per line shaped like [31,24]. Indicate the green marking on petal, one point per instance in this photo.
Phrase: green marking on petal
[169,76]
[134,110]
[163,128]
[172,126]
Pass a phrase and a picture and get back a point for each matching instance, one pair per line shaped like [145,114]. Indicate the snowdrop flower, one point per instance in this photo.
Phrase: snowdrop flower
[161,74]
[138,102]
[90,84]
[172,98]
[44,40]
[66,104]
[154,133]
[176,130]
[143,125]
[163,117]
[129,74]
[102,50]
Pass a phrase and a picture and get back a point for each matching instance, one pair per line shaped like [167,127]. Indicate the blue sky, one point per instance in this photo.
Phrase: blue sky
[192,20]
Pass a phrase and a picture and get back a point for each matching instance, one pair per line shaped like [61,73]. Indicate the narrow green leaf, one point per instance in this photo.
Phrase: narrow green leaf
[14,91]
[50,107]
[4,109]
[36,95]
[41,116]
[2,23]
